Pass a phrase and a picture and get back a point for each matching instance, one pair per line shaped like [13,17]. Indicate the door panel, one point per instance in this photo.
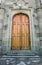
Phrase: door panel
[16,32]
[20,32]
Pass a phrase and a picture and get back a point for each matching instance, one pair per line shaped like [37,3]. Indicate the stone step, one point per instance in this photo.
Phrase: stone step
[21,52]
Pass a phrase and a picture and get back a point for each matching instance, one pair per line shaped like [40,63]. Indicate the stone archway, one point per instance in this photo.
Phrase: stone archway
[20,32]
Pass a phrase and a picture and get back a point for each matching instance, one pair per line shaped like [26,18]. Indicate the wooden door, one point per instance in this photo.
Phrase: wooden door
[20,32]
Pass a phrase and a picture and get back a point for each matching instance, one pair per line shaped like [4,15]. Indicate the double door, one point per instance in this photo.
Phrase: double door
[20,32]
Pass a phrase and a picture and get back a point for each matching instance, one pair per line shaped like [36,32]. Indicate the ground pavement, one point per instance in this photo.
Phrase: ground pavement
[20,60]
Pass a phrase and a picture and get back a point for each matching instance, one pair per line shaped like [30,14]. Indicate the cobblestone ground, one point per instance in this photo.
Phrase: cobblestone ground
[14,60]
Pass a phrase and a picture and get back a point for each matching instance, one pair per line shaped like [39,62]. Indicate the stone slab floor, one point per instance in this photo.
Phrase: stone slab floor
[20,60]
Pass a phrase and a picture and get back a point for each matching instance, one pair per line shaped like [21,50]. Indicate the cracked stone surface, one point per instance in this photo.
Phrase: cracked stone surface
[12,60]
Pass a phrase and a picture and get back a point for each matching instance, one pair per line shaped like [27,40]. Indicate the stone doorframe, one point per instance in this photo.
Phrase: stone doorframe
[29,12]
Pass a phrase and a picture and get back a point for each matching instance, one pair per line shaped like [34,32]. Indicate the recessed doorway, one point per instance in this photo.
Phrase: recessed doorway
[20,32]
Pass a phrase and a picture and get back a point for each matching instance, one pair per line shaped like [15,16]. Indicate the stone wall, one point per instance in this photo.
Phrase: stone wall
[39,18]
[6,31]
[1,27]
[40,27]
[35,14]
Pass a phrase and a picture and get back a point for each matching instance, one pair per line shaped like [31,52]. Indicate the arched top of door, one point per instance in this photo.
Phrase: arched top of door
[19,14]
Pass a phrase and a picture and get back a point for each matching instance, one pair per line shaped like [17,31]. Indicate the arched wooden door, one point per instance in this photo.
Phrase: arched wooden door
[20,32]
